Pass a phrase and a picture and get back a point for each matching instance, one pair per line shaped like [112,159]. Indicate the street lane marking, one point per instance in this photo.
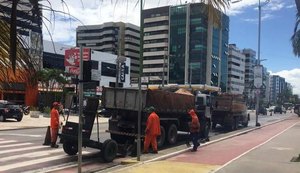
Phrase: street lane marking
[10,141]
[33,162]
[15,145]
[23,149]
[253,148]
[23,135]
[30,155]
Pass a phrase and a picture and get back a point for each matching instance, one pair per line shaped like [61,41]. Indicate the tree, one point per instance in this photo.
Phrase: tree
[296,36]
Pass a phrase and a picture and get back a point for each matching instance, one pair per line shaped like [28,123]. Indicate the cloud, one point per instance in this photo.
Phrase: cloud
[291,76]
[291,6]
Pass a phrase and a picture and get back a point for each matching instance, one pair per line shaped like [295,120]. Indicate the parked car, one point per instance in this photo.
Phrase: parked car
[262,110]
[10,110]
[279,109]
[104,113]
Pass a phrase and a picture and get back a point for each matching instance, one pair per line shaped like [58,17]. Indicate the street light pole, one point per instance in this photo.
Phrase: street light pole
[258,60]
[80,111]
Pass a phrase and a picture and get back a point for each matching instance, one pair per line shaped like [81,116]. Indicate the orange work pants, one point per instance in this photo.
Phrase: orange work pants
[150,139]
[54,132]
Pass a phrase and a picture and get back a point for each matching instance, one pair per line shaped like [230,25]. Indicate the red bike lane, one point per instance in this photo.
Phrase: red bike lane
[223,152]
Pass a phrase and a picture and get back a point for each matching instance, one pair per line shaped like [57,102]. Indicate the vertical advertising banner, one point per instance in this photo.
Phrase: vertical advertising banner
[258,76]
[122,72]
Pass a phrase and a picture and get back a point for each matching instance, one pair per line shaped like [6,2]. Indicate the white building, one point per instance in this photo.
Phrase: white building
[236,70]
[103,65]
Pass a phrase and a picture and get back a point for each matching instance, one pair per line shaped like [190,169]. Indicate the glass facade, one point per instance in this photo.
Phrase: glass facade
[215,62]
[224,53]
[197,44]
[177,44]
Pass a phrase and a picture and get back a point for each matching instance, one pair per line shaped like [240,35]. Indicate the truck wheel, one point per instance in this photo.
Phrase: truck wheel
[172,134]
[109,150]
[70,147]
[19,118]
[162,137]
[245,124]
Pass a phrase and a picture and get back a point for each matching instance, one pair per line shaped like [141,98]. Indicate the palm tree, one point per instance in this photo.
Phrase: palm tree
[296,36]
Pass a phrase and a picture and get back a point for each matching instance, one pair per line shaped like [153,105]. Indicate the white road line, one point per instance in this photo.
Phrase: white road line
[22,149]
[214,171]
[23,135]
[33,162]
[4,142]
[30,155]
[15,145]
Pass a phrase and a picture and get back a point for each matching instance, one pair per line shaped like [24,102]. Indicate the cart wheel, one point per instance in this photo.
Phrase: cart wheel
[70,148]
[109,150]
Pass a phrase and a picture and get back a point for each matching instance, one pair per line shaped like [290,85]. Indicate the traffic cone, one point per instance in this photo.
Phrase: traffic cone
[47,140]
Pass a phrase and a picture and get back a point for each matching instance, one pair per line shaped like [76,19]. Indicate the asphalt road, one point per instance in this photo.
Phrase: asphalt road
[22,150]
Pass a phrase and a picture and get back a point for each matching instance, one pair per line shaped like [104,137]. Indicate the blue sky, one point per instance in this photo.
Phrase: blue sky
[278,21]
[276,30]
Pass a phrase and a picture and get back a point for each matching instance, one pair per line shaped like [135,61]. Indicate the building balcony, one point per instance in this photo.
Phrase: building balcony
[156,19]
[154,45]
[156,28]
[155,37]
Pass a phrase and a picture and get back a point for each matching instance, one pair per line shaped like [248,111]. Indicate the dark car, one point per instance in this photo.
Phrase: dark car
[104,113]
[263,111]
[10,110]
[279,109]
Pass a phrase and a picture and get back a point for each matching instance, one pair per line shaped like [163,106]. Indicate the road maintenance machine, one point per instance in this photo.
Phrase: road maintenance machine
[69,134]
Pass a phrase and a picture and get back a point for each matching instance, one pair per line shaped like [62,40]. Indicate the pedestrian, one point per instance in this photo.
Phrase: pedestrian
[194,130]
[152,130]
[54,124]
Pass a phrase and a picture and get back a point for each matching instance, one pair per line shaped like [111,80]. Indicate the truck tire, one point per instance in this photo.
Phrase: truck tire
[161,139]
[70,147]
[245,124]
[172,134]
[109,150]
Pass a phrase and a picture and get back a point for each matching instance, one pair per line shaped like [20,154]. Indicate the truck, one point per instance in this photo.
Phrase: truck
[172,107]
[297,109]
[229,110]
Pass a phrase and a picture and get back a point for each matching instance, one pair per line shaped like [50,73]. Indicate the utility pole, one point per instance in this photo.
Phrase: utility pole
[80,111]
[140,84]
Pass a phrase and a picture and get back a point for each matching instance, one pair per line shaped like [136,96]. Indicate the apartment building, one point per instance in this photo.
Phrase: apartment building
[118,38]
[236,70]
[180,47]
[277,86]
[250,62]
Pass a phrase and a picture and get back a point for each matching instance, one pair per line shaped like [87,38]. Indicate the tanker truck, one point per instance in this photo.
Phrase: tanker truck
[123,103]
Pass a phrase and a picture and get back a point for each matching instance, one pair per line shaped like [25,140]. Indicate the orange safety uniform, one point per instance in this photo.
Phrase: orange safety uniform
[195,125]
[54,124]
[151,132]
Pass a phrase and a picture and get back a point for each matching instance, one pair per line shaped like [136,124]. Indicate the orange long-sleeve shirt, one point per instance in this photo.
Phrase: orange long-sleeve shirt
[195,125]
[54,122]
[153,124]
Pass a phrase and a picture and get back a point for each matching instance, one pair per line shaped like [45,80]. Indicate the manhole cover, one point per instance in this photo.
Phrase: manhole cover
[296,159]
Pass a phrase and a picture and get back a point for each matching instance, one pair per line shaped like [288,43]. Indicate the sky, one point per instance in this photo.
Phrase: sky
[278,21]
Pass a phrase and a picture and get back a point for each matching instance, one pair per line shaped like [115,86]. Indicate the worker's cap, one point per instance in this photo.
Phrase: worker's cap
[55,104]
[150,109]
[191,111]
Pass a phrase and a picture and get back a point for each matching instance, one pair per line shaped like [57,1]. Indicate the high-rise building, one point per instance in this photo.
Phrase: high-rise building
[122,39]
[250,62]
[236,70]
[180,47]
[277,86]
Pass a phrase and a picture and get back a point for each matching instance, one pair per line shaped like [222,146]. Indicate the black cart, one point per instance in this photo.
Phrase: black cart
[69,134]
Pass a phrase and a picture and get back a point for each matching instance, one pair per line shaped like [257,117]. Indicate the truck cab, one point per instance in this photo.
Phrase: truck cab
[203,109]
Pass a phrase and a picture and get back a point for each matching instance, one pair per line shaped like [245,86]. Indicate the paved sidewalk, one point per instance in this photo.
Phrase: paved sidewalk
[37,120]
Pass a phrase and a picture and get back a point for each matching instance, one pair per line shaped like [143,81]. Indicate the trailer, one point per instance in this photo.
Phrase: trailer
[229,110]
[69,134]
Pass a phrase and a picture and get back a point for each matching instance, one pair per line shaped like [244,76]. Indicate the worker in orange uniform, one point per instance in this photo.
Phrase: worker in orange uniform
[194,129]
[54,124]
[152,130]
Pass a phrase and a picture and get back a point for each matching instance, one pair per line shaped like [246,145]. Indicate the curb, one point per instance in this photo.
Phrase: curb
[163,157]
